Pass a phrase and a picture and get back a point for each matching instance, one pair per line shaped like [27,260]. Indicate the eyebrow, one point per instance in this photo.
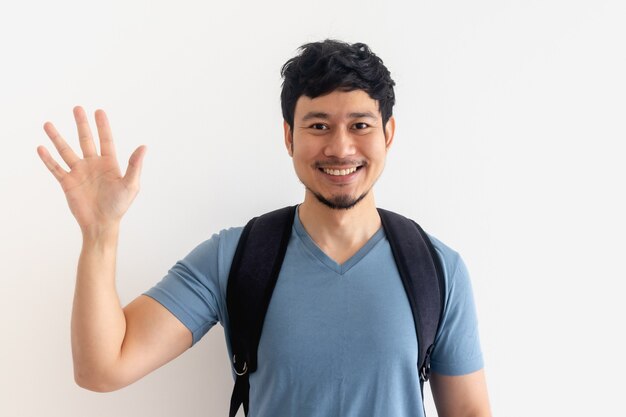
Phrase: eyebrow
[326,116]
[315,115]
[358,115]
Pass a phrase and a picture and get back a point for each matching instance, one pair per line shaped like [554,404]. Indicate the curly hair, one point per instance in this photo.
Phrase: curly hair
[323,67]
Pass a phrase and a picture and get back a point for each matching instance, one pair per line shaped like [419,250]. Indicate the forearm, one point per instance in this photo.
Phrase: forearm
[98,197]
[98,322]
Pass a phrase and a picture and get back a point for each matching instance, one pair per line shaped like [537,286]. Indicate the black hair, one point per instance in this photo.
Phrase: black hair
[323,67]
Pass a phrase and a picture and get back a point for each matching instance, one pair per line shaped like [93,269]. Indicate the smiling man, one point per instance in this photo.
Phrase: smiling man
[339,335]
[342,144]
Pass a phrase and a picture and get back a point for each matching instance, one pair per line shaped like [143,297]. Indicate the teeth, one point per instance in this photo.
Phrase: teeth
[339,171]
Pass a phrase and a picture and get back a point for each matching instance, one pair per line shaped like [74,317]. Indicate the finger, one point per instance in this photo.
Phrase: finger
[107,147]
[51,164]
[134,167]
[61,146]
[84,133]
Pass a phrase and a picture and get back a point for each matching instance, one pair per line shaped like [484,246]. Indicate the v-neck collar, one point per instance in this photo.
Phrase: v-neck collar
[327,260]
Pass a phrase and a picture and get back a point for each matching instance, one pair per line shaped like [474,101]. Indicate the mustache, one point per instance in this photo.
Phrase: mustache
[339,162]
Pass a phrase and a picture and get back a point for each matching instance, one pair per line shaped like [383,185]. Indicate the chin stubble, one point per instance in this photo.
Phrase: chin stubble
[339,202]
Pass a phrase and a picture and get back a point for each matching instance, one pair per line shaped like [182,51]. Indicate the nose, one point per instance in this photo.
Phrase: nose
[340,144]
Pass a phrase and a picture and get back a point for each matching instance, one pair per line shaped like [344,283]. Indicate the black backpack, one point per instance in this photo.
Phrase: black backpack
[256,265]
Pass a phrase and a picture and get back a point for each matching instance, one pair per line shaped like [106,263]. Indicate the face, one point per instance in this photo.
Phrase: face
[338,145]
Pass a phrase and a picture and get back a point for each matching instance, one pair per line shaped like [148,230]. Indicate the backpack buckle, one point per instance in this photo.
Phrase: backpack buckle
[425,369]
[244,367]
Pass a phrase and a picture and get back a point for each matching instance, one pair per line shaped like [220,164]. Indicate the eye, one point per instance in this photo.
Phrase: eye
[360,125]
[319,126]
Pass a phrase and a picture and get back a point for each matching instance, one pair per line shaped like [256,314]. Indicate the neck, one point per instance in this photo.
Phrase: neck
[339,232]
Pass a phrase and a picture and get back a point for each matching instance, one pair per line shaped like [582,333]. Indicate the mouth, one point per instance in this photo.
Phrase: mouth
[340,169]
[340,172]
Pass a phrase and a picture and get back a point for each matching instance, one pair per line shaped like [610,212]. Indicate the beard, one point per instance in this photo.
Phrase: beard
[339,202]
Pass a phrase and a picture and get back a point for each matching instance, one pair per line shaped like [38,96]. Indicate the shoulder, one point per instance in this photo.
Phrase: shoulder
[227,239]
[209,262]
[456,275]
[217,246]
[449,258]
[457,343]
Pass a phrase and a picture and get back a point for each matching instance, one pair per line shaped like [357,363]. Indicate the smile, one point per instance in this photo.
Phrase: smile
[338,172]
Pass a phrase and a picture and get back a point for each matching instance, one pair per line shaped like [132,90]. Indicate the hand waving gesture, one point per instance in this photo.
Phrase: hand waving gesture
[96,191]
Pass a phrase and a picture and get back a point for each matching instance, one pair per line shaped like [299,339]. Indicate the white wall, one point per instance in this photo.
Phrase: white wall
[509,148]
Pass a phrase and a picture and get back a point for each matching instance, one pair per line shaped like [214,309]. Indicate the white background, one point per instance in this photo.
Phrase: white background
[509,148]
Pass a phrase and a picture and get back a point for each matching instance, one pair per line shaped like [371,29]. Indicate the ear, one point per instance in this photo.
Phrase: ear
[288,137]
[390,129]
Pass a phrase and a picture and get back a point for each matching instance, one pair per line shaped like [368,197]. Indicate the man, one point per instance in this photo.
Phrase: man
[338,338]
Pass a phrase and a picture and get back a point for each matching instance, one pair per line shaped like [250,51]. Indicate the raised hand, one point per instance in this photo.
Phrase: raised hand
[97,193]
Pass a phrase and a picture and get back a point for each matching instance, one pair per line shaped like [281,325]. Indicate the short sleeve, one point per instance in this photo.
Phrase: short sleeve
[191,289]
[457,345]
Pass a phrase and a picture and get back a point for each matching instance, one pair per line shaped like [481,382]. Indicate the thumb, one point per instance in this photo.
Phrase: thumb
[135,163]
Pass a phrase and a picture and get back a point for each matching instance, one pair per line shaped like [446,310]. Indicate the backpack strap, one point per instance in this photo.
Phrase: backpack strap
[251,281]
[423,280]
[256,265]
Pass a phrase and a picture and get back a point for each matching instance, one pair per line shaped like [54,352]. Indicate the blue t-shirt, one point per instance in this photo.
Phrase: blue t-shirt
[338,340]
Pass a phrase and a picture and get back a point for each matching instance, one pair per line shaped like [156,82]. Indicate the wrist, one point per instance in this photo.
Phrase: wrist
[100,233]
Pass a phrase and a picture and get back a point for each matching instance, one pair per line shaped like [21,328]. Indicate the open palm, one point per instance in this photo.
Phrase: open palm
[97,193]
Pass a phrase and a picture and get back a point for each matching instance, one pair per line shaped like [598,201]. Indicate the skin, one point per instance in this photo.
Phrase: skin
[111,347]
[340,130]
[114,346]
